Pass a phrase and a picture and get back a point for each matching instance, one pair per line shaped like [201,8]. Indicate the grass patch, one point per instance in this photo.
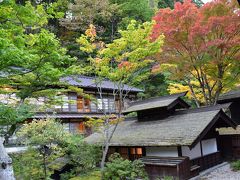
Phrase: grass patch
[235,165]
[95,175]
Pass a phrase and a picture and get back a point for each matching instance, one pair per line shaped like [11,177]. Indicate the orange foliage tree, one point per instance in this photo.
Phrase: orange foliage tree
[202,45]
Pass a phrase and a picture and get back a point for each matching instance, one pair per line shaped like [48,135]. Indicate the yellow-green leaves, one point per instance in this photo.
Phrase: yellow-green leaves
[125,56]
[86,45]
[43,132]
[36,55]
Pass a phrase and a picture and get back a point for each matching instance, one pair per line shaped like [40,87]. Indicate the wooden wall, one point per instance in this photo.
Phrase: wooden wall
[207,161]
[234,108]
[178,168]
[230,146]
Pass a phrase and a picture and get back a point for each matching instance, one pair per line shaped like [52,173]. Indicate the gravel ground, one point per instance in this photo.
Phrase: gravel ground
[222,173]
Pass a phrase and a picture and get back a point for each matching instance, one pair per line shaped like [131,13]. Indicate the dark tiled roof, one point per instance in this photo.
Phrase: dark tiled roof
[156,102]
[184,128]
[90,82]
[229,96]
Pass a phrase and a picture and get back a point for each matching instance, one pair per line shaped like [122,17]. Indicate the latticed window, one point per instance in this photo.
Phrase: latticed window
[62,103]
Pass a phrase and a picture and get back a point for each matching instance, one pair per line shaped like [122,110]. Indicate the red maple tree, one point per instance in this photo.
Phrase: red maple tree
[203,44]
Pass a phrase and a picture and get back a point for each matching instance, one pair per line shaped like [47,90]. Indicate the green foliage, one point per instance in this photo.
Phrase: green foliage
[47,136]
[47,64]
[14,20]
[32,59]
[85,13]
[155,85]
[54,8]
[84,157]
[170,3]
[95,175]
[168,178]
[28,165]
[125,59]
[43,132]
[235,165]
[48,141]
[118,168]
[11,115]
[36,59]
[139,10]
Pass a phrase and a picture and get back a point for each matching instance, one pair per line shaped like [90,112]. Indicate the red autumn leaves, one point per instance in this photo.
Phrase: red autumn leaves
[187,27]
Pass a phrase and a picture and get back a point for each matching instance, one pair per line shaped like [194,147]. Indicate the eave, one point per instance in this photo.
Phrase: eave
[220,116]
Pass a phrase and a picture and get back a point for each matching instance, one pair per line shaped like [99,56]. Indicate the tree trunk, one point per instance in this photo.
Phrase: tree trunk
[6,170]
[193,94]
[44,166]
[104,156]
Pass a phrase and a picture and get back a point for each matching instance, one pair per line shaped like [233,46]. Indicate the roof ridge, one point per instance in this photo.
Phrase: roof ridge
[203,109]
[229,93]
[158,98]
[90,81]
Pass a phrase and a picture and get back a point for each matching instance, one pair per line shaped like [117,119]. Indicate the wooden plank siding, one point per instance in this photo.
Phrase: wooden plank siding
[160,167]
[207,161]
[230,146]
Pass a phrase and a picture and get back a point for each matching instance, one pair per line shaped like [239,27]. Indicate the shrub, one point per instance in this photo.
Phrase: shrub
[46,136]
[94,175]
[28,165]
[83,157]
[235,165]
[119,168]
[168,178]
[165,178]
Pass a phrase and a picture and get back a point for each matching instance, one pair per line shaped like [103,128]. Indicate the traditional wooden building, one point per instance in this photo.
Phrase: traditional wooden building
[75,108]
[230,138]
[232,97]
[169,138]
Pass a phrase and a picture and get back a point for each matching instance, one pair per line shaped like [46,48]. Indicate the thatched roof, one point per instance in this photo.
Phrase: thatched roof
[229,131]
[158,102]
[229,96]
[184,128]
[59,163]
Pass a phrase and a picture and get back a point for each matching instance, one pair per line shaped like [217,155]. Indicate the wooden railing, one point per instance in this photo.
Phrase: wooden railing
[207,161]
[160,167]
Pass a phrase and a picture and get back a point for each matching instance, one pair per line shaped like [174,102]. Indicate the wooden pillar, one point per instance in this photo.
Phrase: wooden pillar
[179,148]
